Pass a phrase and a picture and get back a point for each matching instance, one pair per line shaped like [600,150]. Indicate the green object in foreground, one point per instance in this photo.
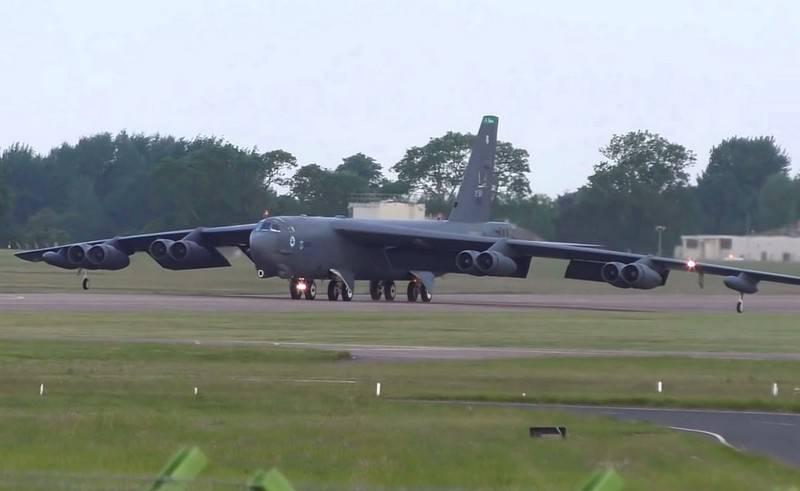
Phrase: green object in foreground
[606,480]
[269,481]
[180,470]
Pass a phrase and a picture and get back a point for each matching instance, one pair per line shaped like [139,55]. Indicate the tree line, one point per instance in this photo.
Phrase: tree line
[106,185]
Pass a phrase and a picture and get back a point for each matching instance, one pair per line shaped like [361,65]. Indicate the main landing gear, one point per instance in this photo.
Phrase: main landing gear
[740,304]
[299,288]
[415,291]
[338,288]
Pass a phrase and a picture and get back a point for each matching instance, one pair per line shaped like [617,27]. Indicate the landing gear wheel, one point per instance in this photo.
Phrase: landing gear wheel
[85,283]
[347,293]
[375,290]
[412,291]
[425,295]
[294,291]
[333,291]
[311,290]
[740,304]
[389,291]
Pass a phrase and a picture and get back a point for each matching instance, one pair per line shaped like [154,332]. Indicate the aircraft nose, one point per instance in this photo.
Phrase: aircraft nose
[261,246]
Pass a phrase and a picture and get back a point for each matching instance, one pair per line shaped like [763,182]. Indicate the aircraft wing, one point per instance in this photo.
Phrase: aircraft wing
[585,261]
[206,239]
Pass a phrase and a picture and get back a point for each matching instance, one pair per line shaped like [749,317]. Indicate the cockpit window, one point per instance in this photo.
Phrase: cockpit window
[270,225]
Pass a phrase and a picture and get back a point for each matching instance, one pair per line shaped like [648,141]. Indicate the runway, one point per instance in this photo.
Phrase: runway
[634,302]
[775,435]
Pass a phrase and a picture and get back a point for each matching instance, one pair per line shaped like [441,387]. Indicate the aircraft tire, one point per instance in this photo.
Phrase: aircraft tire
[425,295]
[85,284]
[294,292]
[412,291]
[311,290]
[389,291]
[347,293]
[333,291]
[375,290]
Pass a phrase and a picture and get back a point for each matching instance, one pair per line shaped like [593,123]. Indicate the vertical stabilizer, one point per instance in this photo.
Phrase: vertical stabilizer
[474,200]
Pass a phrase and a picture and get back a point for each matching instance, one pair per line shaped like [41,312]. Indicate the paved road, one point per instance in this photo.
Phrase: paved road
[775,435]
[635,301]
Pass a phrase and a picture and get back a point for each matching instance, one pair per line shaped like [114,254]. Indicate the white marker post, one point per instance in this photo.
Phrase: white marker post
[378,389]
[195,391]
[41,390]
[775,389]
[660,387]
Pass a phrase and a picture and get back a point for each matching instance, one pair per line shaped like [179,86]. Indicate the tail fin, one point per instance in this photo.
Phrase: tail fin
[474,200]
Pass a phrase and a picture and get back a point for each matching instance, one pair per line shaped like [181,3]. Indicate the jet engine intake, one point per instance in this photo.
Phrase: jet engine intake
[495,263]
[611,273]
[106,256]
[641,276]
[465,262]
[76,254]
[159,249]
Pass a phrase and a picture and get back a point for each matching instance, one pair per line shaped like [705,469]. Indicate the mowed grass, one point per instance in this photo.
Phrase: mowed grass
[145,276]
[121,409]
[655,331]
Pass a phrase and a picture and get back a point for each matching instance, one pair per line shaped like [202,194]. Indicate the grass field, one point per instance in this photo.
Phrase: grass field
[656,331]
[144,275]
[116,410]
[122,409]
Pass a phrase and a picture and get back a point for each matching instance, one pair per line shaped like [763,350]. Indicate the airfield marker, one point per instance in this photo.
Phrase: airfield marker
[378,389]
[775,389]
[41,389]
[660,387]
[195,391]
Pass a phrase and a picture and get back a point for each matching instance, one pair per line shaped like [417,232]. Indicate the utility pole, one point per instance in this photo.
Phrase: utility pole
[660,229]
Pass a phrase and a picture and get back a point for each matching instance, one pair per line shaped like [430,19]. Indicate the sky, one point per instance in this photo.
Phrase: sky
[326,79]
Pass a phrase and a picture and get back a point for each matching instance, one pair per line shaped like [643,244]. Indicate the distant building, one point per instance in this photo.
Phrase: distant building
[385,209]
[776,248]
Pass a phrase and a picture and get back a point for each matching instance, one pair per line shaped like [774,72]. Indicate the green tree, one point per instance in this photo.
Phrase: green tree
[778,201]
[437,168]
[364,167]
[324,192]
[729,188]
[642,182]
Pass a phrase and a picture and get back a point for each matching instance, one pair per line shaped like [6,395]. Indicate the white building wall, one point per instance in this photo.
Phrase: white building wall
[737,247]
[387,210]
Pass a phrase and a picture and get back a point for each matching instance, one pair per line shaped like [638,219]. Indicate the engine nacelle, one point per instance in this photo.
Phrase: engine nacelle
[76,254]
[159,249]
[106,256]
[612,273]
[188,251]
[641,276]
[495,264]
[59,259]
[465,262]
[742,283]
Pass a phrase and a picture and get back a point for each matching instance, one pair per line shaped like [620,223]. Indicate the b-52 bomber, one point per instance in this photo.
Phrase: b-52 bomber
[306,249]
